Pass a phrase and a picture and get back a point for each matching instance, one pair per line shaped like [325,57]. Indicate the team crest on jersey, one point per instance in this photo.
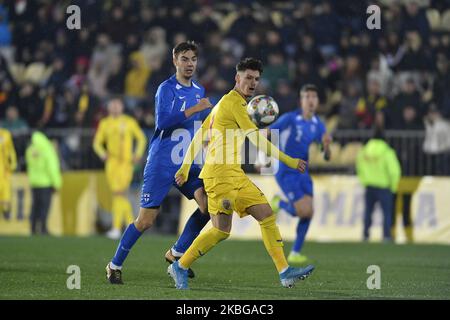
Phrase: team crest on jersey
[146,197]
[226,204]
[313,128]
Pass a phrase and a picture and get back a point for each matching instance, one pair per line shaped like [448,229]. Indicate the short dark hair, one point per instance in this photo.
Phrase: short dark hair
[185,46]
[249,63]
[309,87]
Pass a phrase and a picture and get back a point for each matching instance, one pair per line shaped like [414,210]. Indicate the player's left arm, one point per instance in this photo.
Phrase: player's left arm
[141,140]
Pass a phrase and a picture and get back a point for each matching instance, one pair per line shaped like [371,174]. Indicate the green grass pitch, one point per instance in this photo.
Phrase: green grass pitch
[35,268]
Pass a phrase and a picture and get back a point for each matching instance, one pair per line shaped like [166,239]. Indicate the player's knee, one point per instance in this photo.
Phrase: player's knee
[145,221]
[202,200]
[306,212]
[143,224]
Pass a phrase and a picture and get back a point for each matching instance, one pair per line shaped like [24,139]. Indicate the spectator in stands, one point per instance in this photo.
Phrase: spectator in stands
[59,74]
[373,102]
[415,19]
[136,80]
[97,79]
[45,178]
[5,33]
[437,142]
[8,96]
[407,109]
[13,123]
[441,85]
[379,171]
[322,42]
[349,102]
[86,106]
[285,97]
[412,55]
[29,104]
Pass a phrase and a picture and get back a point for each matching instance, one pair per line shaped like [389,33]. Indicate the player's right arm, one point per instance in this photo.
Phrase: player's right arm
[99,141]
[261,142]
[167,116]
[181,176]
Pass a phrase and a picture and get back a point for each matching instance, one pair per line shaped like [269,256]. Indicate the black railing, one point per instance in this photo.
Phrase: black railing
[76,152]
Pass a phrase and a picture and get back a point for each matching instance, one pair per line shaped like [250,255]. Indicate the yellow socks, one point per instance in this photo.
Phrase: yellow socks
[201,245]
[207,240]
[273,242]
[122,212]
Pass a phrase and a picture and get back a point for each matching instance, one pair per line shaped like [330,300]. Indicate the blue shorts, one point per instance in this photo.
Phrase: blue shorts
[156,186]
[295,185]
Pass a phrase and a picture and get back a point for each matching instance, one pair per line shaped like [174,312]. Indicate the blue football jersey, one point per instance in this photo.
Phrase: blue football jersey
[168,145]
[296,135]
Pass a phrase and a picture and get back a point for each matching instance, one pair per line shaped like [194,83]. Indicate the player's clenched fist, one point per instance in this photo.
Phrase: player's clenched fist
[180,179]
[182,174]
[301,166]
[204,104]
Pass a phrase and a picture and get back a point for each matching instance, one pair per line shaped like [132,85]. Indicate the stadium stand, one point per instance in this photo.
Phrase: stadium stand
[59,78]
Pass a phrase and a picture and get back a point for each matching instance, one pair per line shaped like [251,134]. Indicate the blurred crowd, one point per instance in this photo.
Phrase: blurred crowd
[397,76]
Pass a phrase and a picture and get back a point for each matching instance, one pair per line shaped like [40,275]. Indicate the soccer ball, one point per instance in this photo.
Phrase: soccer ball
[263,110]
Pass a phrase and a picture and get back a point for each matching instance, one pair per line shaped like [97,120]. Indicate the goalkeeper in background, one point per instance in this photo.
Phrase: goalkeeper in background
[8,163]
[113,143]
[227,187]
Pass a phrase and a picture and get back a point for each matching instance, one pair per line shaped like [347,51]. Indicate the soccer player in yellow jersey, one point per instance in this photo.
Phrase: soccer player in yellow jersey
[118,132]
[227,187]
[8,163]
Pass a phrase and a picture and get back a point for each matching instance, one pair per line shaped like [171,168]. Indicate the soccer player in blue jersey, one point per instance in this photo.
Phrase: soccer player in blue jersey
[179,103]
[297,130]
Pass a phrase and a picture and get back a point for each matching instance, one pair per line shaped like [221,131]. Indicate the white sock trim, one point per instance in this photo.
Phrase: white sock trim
[184,268]
[114,267]
[175,253]
[284,270]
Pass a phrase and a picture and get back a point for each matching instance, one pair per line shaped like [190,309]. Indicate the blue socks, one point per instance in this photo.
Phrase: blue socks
[302,228]
[288,207]
[129,238]
[191,230]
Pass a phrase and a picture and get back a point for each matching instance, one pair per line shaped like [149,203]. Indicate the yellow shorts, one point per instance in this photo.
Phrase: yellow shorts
[5,189]
[118,174]
[228,194]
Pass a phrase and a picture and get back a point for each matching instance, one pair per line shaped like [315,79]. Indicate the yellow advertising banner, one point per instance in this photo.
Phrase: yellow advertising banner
[339,210]
[73,210]
[338,202]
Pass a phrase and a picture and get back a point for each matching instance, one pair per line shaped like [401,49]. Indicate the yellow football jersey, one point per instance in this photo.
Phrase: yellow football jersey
[118,134]
[226,127]
[8,158]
